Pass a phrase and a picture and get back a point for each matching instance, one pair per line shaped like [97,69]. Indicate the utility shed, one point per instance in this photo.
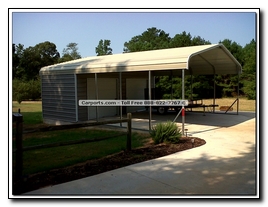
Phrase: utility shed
[122,76]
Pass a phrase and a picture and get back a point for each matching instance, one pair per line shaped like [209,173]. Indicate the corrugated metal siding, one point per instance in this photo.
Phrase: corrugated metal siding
[82,95]
[58,97]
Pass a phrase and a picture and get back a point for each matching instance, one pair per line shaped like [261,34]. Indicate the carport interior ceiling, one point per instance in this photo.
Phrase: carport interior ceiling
[201,60]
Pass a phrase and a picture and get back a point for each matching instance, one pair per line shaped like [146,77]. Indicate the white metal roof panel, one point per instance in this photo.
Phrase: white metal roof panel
[203,59]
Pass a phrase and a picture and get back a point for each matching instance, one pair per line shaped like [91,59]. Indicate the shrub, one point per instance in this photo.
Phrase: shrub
[22,90]
[165,132]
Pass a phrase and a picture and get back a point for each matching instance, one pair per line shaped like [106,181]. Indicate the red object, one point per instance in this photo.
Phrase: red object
[182,112]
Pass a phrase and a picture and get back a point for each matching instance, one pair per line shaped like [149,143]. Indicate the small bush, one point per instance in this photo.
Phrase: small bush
[165,132]
[26,90]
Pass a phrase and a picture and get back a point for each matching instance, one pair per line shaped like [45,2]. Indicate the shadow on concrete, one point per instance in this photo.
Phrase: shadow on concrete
[210,119]
[205,175]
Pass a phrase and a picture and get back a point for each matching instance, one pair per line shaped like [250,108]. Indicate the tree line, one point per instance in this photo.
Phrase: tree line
[26,63]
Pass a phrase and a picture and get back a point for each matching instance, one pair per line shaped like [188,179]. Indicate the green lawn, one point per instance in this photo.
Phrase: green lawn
[31,111]
[55,157]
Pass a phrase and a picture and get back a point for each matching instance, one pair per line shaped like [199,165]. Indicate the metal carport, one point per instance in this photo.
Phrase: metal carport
[193,60]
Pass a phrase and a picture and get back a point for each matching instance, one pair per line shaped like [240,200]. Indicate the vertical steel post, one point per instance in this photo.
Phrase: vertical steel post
[183,97]
[238,94]
[214,95]
[97,96]
[150,97]
[76,101]
[171,75]
[120,96]
[129,130]
[191,86]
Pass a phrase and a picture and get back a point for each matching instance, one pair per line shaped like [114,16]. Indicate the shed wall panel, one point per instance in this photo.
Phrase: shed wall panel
[58,97]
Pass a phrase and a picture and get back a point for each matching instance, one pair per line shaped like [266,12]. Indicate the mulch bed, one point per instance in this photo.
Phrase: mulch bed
[93,167]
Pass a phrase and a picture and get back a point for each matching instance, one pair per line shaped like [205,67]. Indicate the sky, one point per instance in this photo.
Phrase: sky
[87,27]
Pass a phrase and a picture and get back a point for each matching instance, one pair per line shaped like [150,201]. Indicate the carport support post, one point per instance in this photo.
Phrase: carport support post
[97,96]
[129,130]
[238,78]
[182,96]
[171,78]
[214,91]
[150,97]
[120,95]
[191,86]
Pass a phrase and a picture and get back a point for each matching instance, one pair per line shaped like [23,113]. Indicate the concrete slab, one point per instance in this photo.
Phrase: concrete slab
[104,184]
[225,165]
[208,121]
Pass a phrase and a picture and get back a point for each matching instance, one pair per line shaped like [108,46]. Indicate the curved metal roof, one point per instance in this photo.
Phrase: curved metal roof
[203,59]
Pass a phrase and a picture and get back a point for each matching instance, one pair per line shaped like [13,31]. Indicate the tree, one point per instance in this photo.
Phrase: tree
[234,48]
[65,58]
[199,41]
[181,40]
[229,83]
[34,58]
[186,40]
[47,52]
[248,77]
[104,48]
[151,39]
[26,90]
[17,53]
[70,53]
[27,62]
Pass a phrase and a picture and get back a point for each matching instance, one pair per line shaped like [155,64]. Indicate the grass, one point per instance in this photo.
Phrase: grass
[244,104]
[49,137]
[31,111]
[46,159]
[50,158]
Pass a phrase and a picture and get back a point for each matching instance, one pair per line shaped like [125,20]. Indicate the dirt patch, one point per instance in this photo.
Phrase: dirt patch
[93,167]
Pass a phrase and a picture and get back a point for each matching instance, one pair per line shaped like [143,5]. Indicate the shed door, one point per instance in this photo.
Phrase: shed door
[106,91]
[135,90]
